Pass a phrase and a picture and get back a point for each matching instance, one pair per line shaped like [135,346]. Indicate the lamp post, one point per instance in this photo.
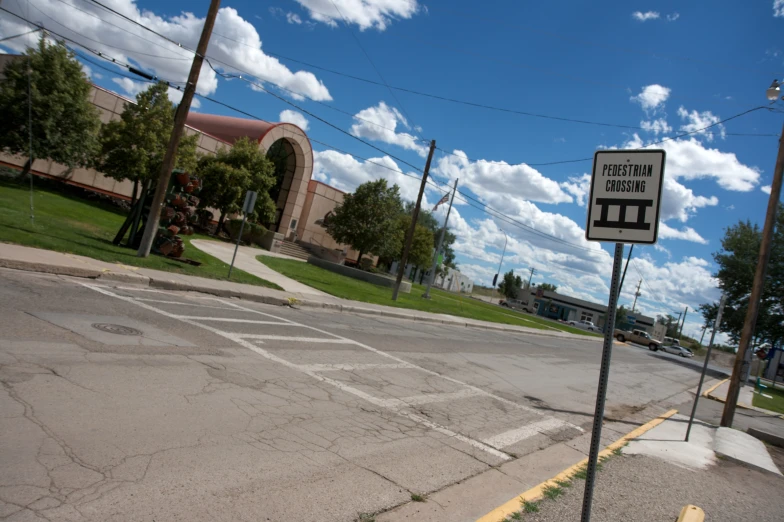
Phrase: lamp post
[741,362]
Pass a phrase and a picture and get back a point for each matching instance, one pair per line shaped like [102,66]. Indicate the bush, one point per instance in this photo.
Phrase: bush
[366,263]
[253,233]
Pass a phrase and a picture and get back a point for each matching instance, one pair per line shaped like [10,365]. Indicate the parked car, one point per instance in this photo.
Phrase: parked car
[674,347]
[587,325]
[638,336]
[517,305]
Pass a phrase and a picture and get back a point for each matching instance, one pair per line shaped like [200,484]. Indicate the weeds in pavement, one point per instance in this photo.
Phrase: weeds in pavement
[417,498]
[552,492]
[564,483]
[516,516]
[366,517]
[530,507]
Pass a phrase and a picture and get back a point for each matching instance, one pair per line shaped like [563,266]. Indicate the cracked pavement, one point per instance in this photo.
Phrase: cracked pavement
[241,411]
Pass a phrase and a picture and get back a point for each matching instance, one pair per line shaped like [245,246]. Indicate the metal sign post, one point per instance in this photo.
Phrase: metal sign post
[247,208]
[716,325]
[623,208]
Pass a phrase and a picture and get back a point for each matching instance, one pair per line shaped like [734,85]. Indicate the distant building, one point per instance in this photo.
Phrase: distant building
[453,281]
[565,308]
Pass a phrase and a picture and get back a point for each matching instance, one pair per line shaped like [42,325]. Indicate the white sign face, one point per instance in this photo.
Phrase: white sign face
[625,196]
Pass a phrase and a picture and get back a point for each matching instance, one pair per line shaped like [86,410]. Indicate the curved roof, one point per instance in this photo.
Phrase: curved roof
[230,129]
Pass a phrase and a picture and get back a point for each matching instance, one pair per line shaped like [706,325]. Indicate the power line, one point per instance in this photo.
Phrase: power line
[18,35]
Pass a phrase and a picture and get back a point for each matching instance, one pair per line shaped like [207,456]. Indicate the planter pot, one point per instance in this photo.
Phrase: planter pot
[183,178]
[172,230]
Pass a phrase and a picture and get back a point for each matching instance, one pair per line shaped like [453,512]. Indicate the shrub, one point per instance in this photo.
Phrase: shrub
[253,233]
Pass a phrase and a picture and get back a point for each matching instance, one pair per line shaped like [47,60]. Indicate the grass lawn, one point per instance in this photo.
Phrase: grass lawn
[440,302]
[774,404]
[69,223]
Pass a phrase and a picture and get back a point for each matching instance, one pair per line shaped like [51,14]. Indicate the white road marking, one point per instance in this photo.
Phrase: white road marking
[182,303]
[261,337]
[393,404]
[428,398]
[350,367]
[231,320]
[508,438]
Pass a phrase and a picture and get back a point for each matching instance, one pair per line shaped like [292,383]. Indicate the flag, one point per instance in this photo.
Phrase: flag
[442,201]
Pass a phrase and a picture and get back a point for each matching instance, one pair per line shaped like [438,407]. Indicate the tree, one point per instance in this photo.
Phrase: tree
[670,322]
[367,219]
[510,285]
[737,261]
[228,175]
[64,122]
[133,146]
[421,253]
[548,287]
[621,316]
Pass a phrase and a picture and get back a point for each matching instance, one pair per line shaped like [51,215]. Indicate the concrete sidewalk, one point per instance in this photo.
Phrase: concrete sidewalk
[47,261]
[745,398]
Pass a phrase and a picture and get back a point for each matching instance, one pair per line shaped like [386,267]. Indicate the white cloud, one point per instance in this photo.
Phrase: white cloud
[366,14]
[679,202]
[767,188]
[293,18]
[499,183]
[686,283]
[674,16]
[164,59]
[700,120]
[644,17]
[659,126]
[297,118]
[652,96]
[131,88]
[380,123]
[346,173]
[579,187]
[690,159]
[88,71]
[778,7]
[686,234]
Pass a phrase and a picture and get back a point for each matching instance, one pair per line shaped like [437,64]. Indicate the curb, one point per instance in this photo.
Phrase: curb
[691,514]
[72,271]
[770,438]
[537,492]
[741,405]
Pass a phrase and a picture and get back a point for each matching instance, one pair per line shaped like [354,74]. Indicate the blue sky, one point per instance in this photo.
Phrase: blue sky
[667,67]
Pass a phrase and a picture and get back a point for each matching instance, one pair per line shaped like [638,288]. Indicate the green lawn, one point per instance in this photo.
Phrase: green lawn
[69,223]
[440,302]
[774,404]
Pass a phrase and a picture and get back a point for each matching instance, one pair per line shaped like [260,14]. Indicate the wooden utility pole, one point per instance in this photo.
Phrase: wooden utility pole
[680,331]
[151,228]
[739,368]
[412,228]
[636,295]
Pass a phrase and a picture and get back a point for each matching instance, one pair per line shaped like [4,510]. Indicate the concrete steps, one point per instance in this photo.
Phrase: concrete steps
[294,250]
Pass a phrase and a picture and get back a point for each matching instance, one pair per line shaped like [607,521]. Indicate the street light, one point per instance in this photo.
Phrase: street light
[774,91]
[741,363]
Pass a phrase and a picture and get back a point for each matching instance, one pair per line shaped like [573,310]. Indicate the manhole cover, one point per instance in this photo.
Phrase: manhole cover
[116,329]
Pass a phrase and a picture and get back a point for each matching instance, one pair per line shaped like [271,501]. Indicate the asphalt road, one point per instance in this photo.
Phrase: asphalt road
[126,403]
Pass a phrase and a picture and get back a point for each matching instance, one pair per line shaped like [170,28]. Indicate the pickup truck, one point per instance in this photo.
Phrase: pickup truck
[638,336]
[517,305]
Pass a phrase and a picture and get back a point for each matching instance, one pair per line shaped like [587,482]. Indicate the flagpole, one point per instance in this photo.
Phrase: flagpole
[430,279]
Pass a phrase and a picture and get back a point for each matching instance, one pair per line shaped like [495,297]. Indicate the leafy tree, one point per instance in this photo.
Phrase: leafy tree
[367,219]
[428,220]
[133,146]
[510,285]
[421,253]
[64,122]
[547,287]
[228,175]
[670,322]
[621,316]
[737,261]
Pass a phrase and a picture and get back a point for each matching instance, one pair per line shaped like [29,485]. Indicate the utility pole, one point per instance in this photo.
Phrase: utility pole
[739,368]
[680,333]
[151,228]
[533,271]
[440,244]
[636,295]
[503,253]
[412,228]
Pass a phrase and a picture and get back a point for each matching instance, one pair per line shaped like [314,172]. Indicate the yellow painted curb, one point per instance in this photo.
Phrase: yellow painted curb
[707,392]
[691,514]
[536,492]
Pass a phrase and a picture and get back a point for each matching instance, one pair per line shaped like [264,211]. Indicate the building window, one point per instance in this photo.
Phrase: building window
[586,316]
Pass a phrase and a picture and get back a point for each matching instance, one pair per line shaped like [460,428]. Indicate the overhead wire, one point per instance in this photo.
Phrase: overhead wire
[18,35]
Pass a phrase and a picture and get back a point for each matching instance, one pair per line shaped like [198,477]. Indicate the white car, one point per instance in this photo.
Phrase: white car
[674,347]
[586,325]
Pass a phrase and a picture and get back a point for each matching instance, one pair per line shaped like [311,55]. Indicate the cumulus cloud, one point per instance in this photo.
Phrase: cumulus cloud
[690,159]
[695,121]
[679,202]
[778,8]
[674,16]
[366,14]
[579,187]
[652,97]
[644,17]
[293,18]
[380,123]
[686,234]
[131,88]
[346,173]
[498,182]
[234,42]
[659,126]
[766,188]
[297,118]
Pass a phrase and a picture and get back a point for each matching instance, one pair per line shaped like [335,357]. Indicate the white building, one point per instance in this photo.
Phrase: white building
[454,281]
